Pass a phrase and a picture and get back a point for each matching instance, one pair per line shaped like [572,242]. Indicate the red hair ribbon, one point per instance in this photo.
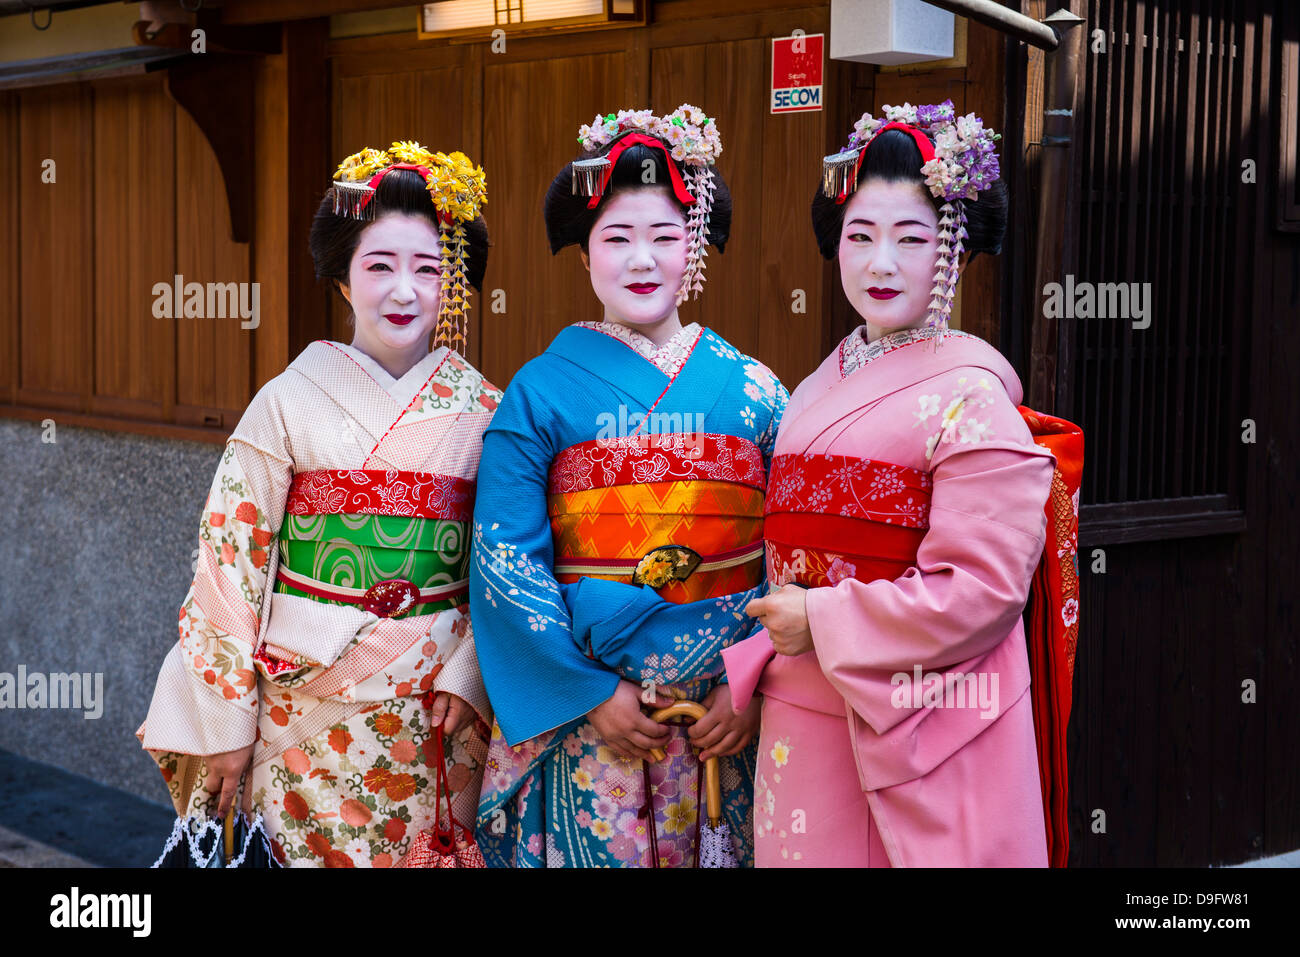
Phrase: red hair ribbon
[374,181]
[922,142]
[630,139]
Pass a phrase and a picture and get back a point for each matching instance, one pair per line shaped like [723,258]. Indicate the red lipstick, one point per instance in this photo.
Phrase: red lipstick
[877,293]
[643,288]
[398,319]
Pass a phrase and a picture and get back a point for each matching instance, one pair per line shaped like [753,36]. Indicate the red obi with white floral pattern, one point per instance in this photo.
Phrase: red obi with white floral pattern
[381,492]
[832,517]
[681,513]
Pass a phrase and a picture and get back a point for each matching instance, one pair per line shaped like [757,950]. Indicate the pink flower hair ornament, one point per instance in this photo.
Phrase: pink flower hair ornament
[958,161]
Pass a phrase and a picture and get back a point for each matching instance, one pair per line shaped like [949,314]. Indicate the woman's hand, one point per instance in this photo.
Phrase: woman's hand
[451,711]
[722,732]
[224,771]
[784,614]
[623,725]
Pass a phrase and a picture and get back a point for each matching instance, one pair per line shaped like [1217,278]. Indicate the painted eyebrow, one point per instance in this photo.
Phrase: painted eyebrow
[901,222]
[652,226]
[385,252]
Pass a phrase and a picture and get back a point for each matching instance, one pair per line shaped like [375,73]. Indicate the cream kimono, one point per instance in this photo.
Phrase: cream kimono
[337,477]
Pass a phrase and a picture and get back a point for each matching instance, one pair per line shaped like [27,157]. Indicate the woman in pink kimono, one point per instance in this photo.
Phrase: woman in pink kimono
[904,522]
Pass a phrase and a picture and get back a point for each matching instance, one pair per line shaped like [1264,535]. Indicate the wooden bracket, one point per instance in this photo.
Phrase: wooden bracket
[217,91]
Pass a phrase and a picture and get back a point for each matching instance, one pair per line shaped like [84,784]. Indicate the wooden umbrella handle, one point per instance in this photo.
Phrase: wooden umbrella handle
[712,781]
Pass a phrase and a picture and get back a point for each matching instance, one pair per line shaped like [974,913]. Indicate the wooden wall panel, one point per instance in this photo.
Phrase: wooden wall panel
[213,354]
[56,248]
[134,247]
[792,151]
[270,341]
[9,275]
[532,111]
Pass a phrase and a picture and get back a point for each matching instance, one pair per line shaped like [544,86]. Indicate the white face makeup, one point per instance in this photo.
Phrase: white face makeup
[636,254]
[888,255]
[394,287]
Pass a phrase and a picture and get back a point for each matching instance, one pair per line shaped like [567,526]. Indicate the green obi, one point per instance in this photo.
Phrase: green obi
[356,551]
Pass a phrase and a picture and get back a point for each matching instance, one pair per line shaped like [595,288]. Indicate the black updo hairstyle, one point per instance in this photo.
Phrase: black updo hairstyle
[334,238]
[569,221]
[894,157]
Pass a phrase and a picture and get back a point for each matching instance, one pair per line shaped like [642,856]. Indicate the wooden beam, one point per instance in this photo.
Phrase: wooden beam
[270,11]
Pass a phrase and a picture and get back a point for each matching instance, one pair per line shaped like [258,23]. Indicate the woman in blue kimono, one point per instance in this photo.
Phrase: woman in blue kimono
[621,538]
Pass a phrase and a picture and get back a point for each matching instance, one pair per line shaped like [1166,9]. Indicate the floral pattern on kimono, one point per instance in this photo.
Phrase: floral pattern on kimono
[335,700]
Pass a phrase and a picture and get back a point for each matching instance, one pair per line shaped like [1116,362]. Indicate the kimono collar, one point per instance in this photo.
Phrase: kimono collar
[855,351]
[611,361]
[668,358]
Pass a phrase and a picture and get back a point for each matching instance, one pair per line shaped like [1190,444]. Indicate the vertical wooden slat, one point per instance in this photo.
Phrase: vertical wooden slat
[1234,296]
[1160,245]
[1187,110]
[1140,222]
[56,248]
[1221,167]
[1208,162]
[1108,255]
[1251,105]
[1126,161]
[1174,196]
[133,175]
[267,259]
[10,278]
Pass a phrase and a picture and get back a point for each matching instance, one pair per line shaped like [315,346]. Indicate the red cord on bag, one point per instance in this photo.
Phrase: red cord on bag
[438,846]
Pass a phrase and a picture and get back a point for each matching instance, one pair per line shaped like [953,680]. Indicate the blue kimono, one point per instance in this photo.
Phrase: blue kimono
[600,450]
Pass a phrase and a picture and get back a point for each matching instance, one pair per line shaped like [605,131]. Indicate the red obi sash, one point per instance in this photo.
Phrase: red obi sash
[381,492]
[828,518]
[682,513]
[831,517]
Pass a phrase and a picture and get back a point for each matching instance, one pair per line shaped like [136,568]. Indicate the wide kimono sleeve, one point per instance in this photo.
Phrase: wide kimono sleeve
[973,569]
[535,674]
[205,700]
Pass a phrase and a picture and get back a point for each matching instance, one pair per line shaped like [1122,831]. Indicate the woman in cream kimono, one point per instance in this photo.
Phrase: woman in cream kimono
[325,646]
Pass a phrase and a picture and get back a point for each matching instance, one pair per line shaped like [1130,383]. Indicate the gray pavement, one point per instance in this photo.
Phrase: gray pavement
[50,817]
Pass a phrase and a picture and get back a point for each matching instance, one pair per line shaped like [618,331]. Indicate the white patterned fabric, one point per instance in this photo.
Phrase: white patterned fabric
[668,358]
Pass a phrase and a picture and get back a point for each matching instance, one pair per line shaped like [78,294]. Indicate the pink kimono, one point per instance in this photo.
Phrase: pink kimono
[907,494]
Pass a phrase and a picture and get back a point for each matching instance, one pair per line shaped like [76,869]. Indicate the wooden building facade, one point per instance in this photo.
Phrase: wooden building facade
[211,168]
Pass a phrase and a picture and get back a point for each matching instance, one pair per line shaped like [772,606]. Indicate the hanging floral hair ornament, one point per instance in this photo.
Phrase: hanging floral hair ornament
[458,190]
[958,161]
[687,139]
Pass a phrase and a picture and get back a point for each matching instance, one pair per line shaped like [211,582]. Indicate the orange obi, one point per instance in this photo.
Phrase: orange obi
[681,513]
